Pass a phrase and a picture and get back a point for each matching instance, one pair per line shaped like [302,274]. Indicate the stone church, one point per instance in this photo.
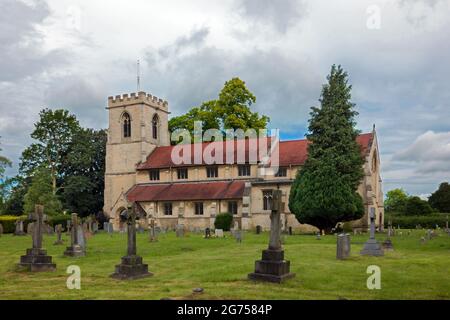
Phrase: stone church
[139,168]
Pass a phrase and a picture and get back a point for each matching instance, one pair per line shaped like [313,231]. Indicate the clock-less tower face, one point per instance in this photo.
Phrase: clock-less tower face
[138,123]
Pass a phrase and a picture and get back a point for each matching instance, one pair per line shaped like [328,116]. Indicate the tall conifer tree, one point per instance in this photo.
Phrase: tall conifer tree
[325,189]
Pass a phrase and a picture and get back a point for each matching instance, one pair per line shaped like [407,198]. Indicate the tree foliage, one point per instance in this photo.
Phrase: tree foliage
[53,134]
[440,199]
[325,189]
[231,110]
[417,207]
[41,192]
[396,200]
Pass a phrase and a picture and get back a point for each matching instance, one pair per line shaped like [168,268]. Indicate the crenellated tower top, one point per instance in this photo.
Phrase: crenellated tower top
[137,98]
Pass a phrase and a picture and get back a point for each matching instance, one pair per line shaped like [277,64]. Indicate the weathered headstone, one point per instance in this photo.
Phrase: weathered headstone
[238,235]
[290,231]
[343,246]
[30,228]
[218,233]
[372,247]
[258,229]
[95,227]
[272,267]
[77,242]
[180,230]
[36,258]
[131,266]
[318,236]
[152,232]
[19,228]
[207,233]
[387,244]
[59,239]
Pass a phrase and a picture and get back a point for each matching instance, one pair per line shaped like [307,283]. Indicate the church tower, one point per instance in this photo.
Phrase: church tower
[138,123]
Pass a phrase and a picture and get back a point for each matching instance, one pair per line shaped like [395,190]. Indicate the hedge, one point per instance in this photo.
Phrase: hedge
[410,222]
[9,226]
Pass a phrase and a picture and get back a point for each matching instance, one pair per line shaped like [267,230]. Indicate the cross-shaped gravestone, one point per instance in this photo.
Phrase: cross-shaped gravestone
[272,267]
[131,266]
[372,247]
[59,239]
[36,259]
[76,248]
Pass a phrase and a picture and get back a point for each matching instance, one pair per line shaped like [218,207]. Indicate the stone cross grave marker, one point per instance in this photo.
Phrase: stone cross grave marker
[131,266]
[77,244]
[36,258]
[343,246]
[372,247]
[272,267]
[59,239]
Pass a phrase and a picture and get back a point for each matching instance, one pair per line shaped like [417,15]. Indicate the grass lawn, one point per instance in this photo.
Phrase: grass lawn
[220,266]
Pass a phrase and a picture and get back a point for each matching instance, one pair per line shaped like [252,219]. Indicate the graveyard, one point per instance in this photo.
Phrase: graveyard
[417,268]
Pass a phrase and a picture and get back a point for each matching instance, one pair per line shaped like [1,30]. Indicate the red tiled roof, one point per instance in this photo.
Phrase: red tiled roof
[187,191]
[292,152]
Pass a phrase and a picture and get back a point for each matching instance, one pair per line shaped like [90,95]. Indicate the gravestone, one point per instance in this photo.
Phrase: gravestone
[30,228]
[272,267]
[387,244]
[105,226]
[19,228]
[372,247]
[207,233]
[429,234]
[77,242]
[318,236]
[95,227]
[85,229]
[290,231]
[238,235]
[131,266]
[59,239]
[343,246]
[1,229]
[48,229]
[218,233]
[180,230]
[152,232]
[110,228]
[36,258]
[258,229]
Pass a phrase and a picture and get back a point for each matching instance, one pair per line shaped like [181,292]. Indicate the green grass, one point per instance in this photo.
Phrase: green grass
[220,266]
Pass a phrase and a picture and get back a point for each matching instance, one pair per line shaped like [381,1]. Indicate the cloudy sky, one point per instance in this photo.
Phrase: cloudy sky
[74,54]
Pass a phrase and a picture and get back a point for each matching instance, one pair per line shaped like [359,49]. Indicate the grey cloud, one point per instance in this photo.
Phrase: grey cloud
[196,38]
[84,97]
[281,15]
[283,86]
[20,42]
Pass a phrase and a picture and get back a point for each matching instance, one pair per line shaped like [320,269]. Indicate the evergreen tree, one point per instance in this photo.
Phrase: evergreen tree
[324,190]
[41,192]
[440,199]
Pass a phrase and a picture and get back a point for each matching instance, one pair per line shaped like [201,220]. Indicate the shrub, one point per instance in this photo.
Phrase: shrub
[59,219]
[347,227]
[410,222]
[223,221]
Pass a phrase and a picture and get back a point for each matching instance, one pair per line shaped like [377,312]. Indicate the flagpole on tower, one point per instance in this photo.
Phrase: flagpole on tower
[138,76]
